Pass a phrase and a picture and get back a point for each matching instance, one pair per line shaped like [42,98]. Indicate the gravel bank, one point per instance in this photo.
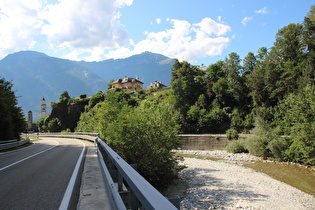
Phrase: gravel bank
[222,154]
[207,184]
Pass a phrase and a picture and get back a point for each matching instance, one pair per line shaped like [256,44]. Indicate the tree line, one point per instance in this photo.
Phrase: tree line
[12,121]
[269,94]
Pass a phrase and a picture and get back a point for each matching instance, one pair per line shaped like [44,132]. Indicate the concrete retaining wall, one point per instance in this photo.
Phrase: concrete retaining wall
[205,141]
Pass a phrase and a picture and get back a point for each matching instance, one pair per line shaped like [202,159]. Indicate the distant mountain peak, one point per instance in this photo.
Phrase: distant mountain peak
[29,53]
[149,57]
[24,55]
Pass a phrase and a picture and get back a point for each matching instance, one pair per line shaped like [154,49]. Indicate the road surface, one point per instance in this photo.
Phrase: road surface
[37,177]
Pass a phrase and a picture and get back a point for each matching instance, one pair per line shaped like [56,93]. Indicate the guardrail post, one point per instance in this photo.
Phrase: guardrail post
[128,197]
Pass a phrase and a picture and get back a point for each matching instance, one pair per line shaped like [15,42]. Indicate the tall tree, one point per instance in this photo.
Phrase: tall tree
[12,121]
[233,70]
[309,41]
[298,122]
[249,64]
[186,86]
[256,79]
[284,63]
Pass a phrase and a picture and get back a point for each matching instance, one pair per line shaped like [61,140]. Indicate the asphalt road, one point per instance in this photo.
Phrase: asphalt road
[37,176]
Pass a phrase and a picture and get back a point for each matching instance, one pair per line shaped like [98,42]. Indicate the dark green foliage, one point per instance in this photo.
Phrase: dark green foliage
[232,134]
[236,146]
[145,135]
[298,121]
[65,113]
[185,85]
[262,135]
[64,97]
[98,97]
[275,87]
[12,121]
[143,132]
[211,101]
[82,96]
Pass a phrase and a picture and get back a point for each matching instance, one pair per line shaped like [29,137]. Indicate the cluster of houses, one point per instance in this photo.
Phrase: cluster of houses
[132,84]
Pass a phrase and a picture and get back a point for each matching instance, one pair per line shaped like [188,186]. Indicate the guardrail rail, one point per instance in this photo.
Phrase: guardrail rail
[135,191]
[9,144]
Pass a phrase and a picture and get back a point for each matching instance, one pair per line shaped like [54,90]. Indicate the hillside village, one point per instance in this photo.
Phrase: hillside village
[76,106]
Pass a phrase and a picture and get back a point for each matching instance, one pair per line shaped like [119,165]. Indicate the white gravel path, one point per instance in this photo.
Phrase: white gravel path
[221,185]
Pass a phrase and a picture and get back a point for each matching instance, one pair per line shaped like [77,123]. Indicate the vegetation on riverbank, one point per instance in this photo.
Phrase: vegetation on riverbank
[297,176]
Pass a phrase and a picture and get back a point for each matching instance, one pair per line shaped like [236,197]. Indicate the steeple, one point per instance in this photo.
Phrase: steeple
[30,120]
[43,108]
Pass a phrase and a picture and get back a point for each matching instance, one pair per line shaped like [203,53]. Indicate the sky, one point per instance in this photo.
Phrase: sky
[197,31]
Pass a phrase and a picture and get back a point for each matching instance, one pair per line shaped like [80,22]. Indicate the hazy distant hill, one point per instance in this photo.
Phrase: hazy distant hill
[36,75]
[149,67]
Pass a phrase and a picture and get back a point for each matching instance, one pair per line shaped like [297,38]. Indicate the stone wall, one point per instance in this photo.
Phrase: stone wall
[205,141]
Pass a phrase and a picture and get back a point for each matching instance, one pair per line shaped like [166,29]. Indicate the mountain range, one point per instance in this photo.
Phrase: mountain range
[35,75]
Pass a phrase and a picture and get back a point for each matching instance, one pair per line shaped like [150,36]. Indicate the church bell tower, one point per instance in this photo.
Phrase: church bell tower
[43,108]
[30,120]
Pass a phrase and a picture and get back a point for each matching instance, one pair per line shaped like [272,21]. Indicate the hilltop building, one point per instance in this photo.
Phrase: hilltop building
[43,108]
[30,120]
[203,67]
[127,84]
[156,84]
[30,124]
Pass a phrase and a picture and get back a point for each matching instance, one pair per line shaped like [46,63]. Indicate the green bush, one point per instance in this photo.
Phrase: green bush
[66,131]
[236,146]
[278,147]
[257,145]
[232,134]
[145,135]
[262,135]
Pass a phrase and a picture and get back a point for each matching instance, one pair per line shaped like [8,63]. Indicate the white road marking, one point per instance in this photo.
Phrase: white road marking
[67,196]
[8,166]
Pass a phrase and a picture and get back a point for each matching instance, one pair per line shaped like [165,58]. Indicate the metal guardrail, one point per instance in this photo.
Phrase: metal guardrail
[138,192]
[12,143]
[129,190]
[61,134]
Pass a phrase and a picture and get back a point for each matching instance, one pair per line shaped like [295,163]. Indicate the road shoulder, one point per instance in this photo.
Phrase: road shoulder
[93,193]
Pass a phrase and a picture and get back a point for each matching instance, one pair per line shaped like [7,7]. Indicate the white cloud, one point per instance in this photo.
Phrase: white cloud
[246,19]
[121,3]
[91,30]
[81,24]
[184,41]
[18,31]
[262,11]
[211,27]
[78,25]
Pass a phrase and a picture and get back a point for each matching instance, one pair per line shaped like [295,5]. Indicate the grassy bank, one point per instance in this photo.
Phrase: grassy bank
[299,177]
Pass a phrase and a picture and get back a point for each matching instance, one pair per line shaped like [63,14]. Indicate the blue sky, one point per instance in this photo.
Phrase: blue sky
[199,31]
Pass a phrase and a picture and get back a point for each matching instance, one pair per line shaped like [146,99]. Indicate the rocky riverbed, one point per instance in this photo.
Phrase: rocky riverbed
[208,184]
